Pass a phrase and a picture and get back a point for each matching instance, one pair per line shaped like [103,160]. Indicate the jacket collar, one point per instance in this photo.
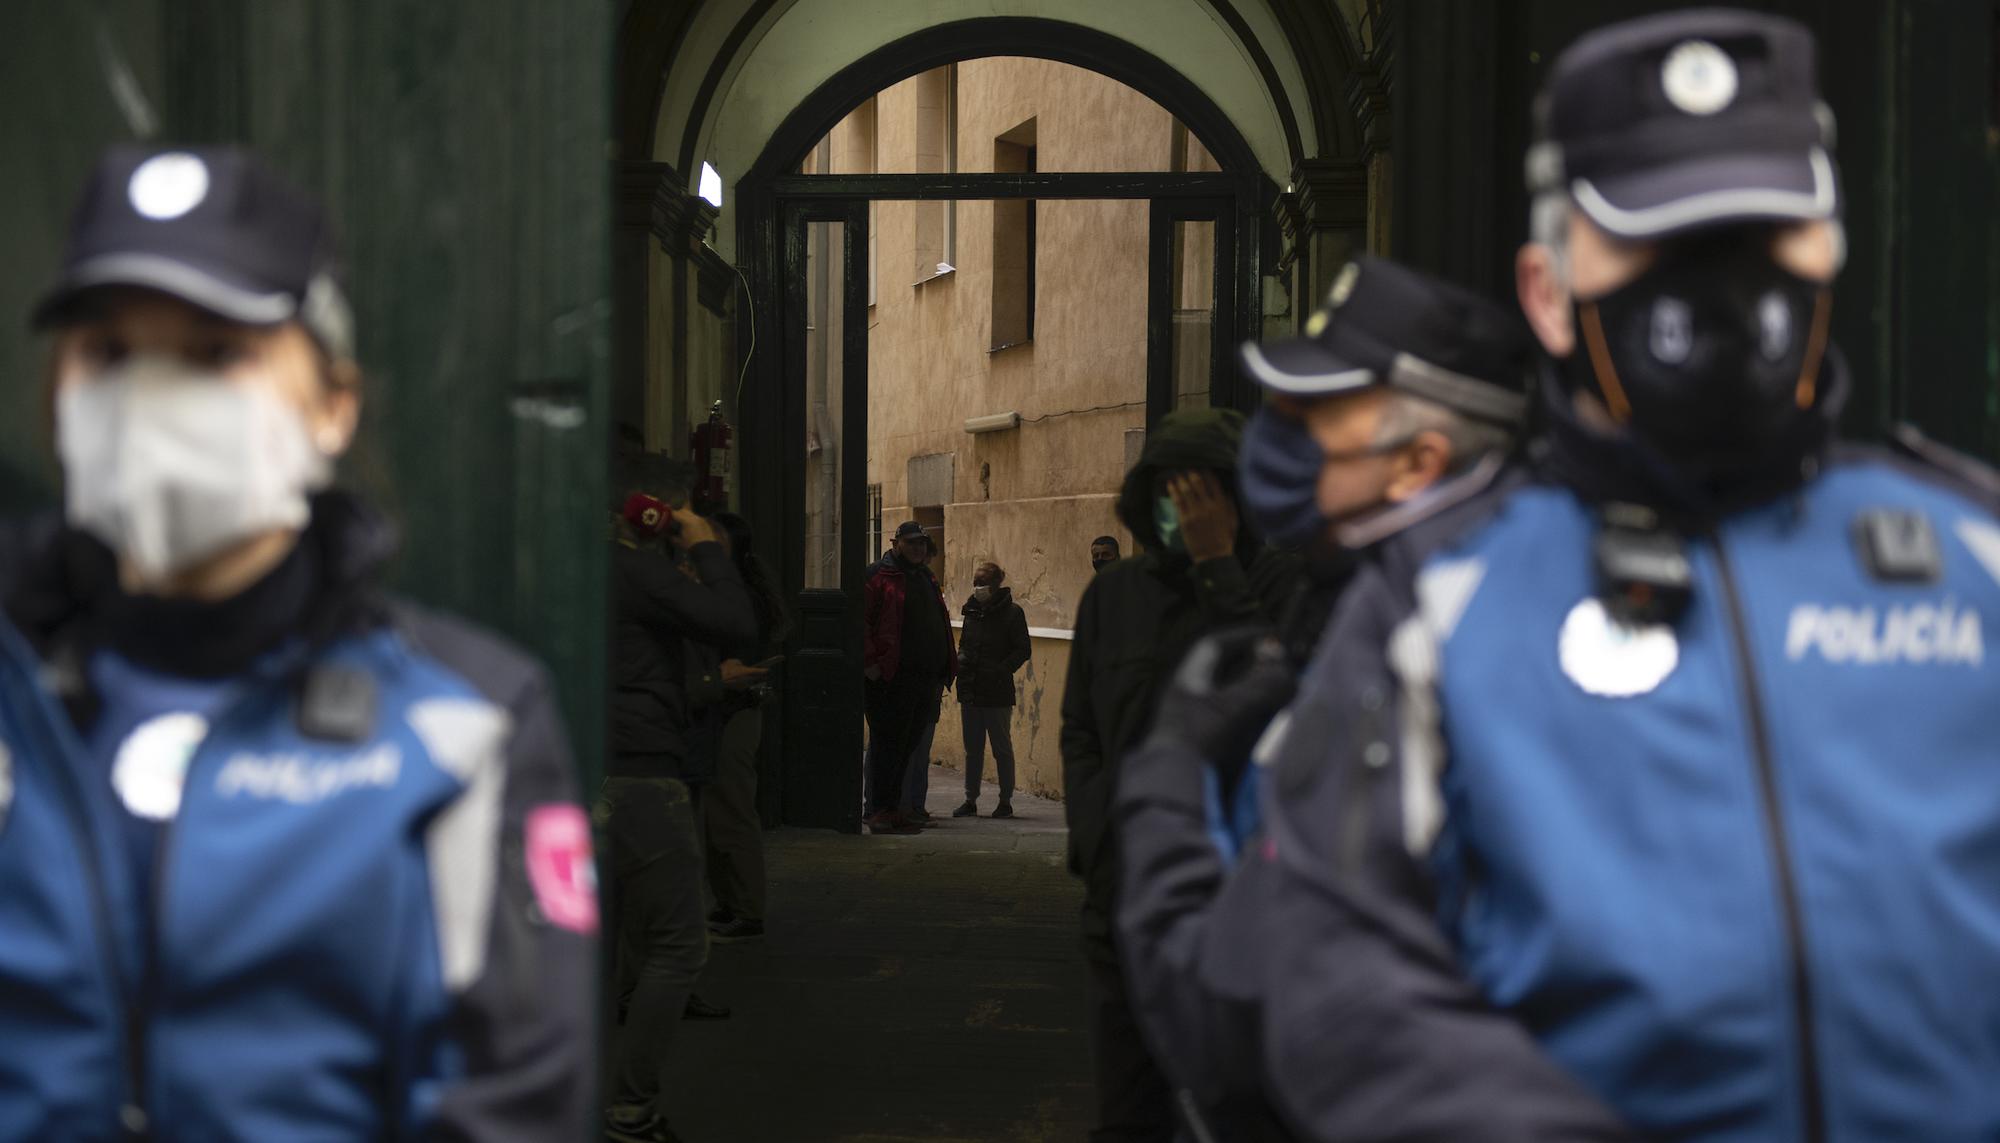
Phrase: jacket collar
[68,591]
[1003,598]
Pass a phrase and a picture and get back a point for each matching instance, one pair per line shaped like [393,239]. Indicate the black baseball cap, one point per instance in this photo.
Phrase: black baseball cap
[1686,120]
[212,226]
[1385,324]
[910,528]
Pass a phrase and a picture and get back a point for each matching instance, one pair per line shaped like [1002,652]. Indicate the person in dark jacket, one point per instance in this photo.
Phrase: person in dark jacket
[730,820]
[1103,553]
[917,773]
[276,850]
[1201,568]
[1652,798]
[666,622]
[908,662]
[993,646]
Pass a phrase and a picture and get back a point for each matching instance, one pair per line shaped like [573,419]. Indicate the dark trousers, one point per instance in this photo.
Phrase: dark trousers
[729,814]
[660,928]
[980,723]
[896,711]
[1134,1100]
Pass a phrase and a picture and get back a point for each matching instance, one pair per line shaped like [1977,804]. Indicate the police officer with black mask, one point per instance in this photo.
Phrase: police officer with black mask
[1654,798]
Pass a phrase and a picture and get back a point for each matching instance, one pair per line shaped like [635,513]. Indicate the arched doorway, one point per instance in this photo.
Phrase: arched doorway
[793,226]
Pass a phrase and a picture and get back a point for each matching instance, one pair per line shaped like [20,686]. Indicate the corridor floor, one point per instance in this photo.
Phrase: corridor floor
[923,988]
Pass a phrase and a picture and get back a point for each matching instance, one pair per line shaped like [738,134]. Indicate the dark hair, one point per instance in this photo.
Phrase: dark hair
[1110,540]
[654,473]
[773,621]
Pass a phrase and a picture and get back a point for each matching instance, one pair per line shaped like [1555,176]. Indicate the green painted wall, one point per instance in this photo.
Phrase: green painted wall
[460,145]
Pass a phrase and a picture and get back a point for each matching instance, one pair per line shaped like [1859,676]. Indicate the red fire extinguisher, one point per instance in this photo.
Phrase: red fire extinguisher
[710,444]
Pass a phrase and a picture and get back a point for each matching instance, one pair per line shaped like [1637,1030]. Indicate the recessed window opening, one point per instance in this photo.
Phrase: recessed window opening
[1014,243]
[936,151]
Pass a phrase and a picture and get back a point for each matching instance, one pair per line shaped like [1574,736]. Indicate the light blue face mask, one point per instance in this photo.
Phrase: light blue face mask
[1167,522]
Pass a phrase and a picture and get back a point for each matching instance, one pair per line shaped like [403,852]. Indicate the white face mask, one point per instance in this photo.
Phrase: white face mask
[982,593]
[170,465]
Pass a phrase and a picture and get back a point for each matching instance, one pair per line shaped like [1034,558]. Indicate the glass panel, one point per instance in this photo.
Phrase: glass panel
[1193,310]
[825,267]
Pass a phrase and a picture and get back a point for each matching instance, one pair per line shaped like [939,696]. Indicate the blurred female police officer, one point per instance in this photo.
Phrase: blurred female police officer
[279,859]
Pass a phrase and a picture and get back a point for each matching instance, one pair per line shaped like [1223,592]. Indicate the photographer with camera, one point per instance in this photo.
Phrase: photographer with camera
[663,617]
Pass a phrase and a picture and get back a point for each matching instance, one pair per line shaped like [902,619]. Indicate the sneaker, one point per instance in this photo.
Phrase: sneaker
[738,929]
[699,1009]
[1004,810]
[969,810]
[890,821]
[720,917]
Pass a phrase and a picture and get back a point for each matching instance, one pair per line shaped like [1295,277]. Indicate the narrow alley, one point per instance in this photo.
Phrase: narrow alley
[910,988]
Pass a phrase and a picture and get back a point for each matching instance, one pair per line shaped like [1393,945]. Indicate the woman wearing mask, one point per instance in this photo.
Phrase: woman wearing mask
[995,645]
[279,857]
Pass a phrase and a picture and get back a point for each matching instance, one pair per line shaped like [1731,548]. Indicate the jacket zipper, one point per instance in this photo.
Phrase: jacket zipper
[132,1115]
[1774,825]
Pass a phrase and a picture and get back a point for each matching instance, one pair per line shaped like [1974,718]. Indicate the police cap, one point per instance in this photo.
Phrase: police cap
[1685,120]
[1386,324]
[211,226]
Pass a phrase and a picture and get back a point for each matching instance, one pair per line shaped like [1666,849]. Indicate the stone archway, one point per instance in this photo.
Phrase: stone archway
[712,80]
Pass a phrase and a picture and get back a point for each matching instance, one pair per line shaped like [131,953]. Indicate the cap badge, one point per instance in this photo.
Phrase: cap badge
[1699,78]
[168,186]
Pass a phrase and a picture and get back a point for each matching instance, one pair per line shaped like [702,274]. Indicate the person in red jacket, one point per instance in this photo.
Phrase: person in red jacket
[908,662]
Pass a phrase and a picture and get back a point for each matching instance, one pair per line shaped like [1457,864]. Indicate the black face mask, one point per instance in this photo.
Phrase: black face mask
[1712,356]
[1100,565]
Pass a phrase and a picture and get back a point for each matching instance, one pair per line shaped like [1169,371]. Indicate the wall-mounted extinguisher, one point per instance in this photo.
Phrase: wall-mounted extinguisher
[710,443]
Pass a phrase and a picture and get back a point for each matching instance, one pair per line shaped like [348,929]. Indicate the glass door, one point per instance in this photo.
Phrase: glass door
[1190,314]
[825,329]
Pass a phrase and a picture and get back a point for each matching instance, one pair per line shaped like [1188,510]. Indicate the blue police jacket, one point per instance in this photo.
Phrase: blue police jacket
[1526,872]
[372,912]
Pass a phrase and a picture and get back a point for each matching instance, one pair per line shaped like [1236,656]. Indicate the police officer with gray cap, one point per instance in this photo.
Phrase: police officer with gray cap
[1657,796]
[1399,403]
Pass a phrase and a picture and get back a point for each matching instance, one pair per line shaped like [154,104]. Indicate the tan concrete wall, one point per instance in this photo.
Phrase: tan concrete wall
[1030,498]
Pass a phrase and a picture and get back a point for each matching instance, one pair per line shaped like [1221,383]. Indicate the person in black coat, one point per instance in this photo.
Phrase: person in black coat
[1200,569]
[994,646]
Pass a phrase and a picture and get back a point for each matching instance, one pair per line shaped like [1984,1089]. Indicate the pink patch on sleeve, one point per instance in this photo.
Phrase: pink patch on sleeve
[560,866]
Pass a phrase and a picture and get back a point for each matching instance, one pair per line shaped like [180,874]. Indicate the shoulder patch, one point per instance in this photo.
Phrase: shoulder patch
[561,869]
